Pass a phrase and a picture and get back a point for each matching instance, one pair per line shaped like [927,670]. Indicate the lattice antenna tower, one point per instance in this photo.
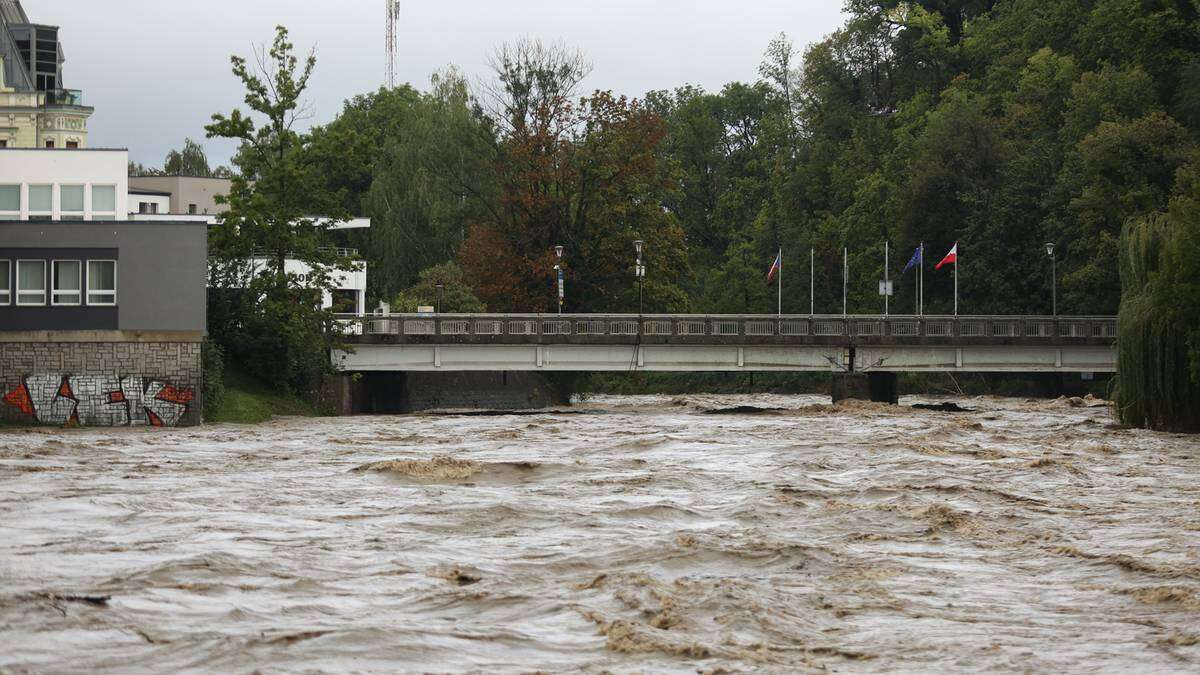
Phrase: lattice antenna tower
[393,17]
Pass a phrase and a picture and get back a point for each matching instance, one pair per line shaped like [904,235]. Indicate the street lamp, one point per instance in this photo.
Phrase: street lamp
[558,251]
[640,271]
[1053,278]
[440,289]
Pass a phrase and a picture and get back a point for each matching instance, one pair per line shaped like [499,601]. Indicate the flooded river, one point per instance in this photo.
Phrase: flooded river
[630,533]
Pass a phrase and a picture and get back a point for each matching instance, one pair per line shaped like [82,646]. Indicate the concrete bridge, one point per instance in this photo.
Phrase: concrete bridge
[677,343]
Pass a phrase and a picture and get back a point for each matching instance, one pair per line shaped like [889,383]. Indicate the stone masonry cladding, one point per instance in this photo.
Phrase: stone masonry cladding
[101,383]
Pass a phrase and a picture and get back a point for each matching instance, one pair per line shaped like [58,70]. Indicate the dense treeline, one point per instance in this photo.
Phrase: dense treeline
[1000,125]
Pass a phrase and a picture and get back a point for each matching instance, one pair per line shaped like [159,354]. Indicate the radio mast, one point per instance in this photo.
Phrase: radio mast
[393,16]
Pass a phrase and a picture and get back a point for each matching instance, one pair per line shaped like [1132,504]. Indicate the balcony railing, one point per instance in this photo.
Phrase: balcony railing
[722,328]
[63,97]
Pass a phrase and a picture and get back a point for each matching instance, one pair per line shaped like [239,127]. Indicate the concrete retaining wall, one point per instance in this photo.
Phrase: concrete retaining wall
[109,379]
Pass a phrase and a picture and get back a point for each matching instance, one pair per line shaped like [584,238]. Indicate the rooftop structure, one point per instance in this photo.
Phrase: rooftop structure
[36,108]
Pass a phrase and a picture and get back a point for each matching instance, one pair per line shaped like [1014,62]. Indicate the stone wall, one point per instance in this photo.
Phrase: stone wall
[101,381]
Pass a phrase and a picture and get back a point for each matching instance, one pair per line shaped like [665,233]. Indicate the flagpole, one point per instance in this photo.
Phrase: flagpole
[779,298]
[845,276]
[956,280]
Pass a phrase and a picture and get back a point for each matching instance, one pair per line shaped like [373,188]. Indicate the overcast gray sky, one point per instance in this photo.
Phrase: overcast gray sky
[156,70]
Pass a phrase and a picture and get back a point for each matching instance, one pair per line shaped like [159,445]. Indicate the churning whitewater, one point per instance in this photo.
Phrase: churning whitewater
[627,533]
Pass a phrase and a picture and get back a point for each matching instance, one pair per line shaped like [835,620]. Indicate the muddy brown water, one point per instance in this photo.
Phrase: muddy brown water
[644,535]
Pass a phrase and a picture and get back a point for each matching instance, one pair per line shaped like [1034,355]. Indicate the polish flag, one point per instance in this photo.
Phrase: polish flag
[951,257]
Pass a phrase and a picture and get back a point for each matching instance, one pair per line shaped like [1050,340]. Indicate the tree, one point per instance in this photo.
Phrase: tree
[192,161]
[586,175]
[265,315]
[455,296]
[1159,344]
[138,169]
[431,182]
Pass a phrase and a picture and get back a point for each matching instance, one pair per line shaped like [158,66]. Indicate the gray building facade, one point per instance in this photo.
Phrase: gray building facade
[101,322]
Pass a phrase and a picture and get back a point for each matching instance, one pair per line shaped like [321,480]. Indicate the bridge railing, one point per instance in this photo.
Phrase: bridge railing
[661,326]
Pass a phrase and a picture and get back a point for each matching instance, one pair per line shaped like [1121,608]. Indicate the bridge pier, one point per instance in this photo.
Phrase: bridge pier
[879,387]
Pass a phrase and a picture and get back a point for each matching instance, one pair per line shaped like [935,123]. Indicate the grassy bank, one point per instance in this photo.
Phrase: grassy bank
[250,401]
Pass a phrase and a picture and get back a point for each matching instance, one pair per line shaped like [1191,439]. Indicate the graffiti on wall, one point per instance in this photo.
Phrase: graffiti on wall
[100,400]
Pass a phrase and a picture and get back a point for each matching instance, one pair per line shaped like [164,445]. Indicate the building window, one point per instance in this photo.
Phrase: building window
[66,283]
[148,207]
[41,202]
[73,145]
[70,201]
[3,143]
[192,209]
[10,201]
[31,283]
[104,202]
[5,283]
[102,282]
[344,301]
[50,143]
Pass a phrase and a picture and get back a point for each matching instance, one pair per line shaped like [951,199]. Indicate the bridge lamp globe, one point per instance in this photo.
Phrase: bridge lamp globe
[558,251]
[638,245]
[1050,249]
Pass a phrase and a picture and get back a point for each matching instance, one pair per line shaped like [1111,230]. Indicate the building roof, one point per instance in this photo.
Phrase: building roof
[143,191]
[64,149]
[12,12]
[180,175]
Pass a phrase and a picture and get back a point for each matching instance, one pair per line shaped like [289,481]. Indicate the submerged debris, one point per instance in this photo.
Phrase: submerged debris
[942,407]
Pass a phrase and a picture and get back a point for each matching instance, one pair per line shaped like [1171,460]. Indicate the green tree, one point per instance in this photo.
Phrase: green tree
[431,182]
[263,314]
[1159,344]
[454,296]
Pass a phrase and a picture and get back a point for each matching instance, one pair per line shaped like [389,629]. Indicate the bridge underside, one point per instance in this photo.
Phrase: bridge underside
[747,358]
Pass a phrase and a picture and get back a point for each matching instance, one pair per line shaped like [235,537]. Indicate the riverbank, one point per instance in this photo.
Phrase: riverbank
[246,400]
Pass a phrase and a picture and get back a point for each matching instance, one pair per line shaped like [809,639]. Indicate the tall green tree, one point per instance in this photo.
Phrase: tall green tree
[1159,343]
[191,160]
[264,314]
[431,182]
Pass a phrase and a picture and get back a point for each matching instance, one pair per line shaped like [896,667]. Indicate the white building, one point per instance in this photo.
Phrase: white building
[44,184]
[147,202]
[93,185]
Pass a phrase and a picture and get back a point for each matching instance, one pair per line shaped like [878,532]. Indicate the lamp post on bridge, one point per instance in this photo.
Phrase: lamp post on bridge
[558,251]
[441,288]
[1053,279]
[640,271]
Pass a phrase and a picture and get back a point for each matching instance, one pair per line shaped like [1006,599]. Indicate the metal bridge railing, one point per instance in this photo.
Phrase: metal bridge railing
[530,326]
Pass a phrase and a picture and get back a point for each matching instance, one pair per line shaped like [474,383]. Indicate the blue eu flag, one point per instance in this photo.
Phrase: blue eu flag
[916,259]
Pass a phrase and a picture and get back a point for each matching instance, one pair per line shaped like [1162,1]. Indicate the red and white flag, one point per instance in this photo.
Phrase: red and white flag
[951,258]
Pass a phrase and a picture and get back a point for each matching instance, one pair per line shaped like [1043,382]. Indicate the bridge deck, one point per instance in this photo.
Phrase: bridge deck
[717,342]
